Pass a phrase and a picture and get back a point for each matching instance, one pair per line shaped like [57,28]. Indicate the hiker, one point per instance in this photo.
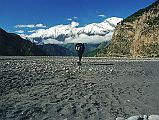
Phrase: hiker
[79,47]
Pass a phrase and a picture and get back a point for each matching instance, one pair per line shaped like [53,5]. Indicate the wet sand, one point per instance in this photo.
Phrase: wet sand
[55,88]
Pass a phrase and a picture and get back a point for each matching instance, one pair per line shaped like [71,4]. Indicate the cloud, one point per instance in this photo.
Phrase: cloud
[32,31]
[24,36]
[40,26]
[69,19]
[83,38]
[19,31]
[31,26]
[103,16]
[52,41]
[24,26]
[75,17]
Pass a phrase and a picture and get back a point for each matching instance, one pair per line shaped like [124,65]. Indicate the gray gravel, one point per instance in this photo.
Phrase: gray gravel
[55,88]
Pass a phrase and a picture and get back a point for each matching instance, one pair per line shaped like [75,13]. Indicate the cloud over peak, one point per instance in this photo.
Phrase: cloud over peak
[19,31]
[74,24]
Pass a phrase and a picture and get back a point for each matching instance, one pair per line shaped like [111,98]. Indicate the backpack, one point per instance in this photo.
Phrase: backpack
[79,47]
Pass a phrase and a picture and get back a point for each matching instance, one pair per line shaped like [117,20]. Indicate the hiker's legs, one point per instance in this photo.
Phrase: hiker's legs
[80,54]
[80,57]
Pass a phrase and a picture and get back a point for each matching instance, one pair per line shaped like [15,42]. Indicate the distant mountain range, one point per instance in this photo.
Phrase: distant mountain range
[93,33]
[56,50]
[13,45]
[137,35]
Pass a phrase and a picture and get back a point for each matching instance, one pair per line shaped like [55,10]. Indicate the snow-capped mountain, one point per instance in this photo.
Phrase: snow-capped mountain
[91,33]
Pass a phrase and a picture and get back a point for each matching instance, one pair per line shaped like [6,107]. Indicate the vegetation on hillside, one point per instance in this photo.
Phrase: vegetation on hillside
[150,50]
[93,53]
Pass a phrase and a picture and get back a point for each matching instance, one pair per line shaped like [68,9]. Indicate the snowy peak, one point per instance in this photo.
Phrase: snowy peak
[72,32]
[100,28]
[113,20]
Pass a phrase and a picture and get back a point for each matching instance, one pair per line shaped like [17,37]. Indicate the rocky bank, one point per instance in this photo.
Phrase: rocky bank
[137,35]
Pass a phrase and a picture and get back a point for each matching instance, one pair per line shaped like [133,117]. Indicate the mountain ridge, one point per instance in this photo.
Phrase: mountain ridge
[96,32]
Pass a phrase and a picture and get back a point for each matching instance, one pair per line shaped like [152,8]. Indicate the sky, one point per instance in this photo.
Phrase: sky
[15,14]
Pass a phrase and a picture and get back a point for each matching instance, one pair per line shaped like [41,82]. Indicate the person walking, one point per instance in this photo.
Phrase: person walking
[80,47]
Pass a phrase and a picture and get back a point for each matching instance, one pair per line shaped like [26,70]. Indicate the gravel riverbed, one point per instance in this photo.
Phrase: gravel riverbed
[56,88]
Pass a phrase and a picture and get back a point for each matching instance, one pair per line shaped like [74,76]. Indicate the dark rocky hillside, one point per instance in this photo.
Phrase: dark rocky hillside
[13,45]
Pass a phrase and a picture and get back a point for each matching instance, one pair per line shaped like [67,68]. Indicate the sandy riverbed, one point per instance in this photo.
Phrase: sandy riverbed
[55,88]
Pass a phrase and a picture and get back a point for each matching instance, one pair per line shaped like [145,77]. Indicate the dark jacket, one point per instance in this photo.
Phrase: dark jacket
[79,47]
